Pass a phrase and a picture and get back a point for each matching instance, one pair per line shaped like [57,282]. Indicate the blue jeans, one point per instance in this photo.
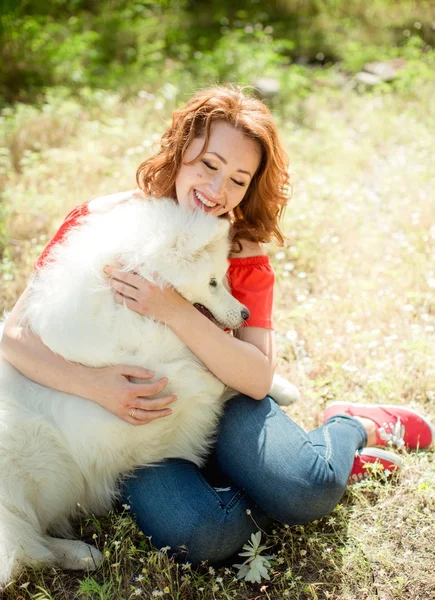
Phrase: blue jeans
[263,468]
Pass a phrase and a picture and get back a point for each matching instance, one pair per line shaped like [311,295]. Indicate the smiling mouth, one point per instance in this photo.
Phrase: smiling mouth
[203,201]
[202,309]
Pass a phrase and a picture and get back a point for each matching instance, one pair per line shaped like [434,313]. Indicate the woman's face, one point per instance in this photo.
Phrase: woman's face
[218,181]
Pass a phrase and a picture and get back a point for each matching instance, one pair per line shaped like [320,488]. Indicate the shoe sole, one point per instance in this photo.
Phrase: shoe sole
[386,407]
[382,455]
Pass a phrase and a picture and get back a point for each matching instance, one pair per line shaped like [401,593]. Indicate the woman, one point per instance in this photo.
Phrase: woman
[222,155]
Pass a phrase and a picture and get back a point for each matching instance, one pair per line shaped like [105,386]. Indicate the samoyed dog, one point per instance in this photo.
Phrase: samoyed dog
[58,450]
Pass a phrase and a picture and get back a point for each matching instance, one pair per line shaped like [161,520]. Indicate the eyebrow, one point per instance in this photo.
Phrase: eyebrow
[225,163]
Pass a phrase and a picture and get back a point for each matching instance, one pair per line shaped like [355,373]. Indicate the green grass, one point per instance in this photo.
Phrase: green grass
[354,312]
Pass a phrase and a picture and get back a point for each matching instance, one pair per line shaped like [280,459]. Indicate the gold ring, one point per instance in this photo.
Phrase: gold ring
[133,413]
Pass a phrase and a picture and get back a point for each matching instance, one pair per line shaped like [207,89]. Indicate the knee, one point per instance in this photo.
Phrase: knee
[318,502]
[243,422]
[311,500]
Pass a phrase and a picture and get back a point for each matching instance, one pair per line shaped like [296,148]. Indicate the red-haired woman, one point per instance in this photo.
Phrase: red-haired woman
[222,154]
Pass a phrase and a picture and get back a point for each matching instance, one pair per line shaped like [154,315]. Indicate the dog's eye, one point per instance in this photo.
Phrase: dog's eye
[213,282]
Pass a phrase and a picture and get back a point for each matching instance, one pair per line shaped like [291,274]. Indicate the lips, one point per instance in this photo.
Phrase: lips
[202,309]
[196,195]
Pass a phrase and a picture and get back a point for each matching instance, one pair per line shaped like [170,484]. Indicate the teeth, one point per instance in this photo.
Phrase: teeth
[204,200]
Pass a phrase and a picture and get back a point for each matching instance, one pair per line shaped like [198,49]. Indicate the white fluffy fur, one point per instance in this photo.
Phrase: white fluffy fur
[57,450]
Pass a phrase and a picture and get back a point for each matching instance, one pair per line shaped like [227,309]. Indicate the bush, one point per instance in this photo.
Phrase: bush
[140,43]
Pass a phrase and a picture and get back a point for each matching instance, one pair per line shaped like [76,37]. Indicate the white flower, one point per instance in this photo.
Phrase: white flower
[255,566]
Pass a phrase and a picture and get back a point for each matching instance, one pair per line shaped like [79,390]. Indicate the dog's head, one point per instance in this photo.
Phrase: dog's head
[189,251]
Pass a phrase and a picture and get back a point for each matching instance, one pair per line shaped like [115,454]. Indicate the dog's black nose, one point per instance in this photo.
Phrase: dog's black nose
[245,314]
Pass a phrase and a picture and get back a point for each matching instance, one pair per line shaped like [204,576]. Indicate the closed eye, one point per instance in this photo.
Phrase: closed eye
[212,168]
[209,166]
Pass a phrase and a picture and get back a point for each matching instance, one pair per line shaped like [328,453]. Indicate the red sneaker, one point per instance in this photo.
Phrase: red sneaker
[396,425]
[386,462]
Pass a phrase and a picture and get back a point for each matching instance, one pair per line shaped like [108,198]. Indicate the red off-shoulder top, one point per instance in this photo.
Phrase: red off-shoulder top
[251,278]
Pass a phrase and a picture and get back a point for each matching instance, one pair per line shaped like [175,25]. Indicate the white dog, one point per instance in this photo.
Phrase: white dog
[58,450]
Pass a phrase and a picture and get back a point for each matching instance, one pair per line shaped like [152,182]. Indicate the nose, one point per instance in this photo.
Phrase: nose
[245,314]
[217,186]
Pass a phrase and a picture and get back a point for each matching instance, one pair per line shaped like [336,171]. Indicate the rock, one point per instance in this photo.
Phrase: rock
[367,78]
[379,72]
[386,70]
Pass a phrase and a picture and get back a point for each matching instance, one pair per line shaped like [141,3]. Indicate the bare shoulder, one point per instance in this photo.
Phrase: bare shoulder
[105,203]
[249,249]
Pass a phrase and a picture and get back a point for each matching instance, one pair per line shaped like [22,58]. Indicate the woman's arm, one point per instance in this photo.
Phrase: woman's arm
[110,387]
[245,362]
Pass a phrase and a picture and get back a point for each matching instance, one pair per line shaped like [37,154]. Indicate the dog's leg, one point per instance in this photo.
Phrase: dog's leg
[75,555]
[284,392]
[21,544]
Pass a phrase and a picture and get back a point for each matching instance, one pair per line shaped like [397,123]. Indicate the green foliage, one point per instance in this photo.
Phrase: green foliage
[241,55]
[85,43]
[138,43]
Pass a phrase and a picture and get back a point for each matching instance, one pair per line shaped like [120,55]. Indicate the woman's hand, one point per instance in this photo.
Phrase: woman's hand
[115,392]
[144,297]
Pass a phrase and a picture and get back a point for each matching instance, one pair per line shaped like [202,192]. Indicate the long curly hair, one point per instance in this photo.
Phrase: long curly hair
[257,217]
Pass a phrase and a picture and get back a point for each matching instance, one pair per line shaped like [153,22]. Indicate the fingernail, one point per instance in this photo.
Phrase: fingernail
[106,270]
[148,372]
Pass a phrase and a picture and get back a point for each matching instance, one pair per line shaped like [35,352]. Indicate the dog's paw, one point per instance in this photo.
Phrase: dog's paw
[75,555]
[284,392]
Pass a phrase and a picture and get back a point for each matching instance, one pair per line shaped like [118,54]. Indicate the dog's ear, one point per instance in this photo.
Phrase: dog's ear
[191,243]
[221,231]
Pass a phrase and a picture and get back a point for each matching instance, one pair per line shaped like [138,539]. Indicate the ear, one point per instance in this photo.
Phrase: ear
[222,230]
[190,244]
